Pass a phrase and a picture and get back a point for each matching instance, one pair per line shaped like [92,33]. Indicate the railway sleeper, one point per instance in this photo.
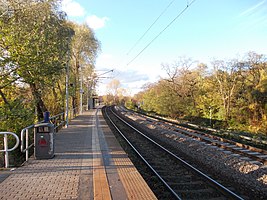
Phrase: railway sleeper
[199,194]
[185,179]
[195,185]
[217,198]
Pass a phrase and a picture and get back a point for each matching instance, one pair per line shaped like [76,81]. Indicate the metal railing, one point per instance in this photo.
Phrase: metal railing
[27,146]
[57,120]
[6,149]
[27,133]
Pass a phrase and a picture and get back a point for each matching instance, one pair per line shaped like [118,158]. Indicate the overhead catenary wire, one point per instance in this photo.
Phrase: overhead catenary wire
[150,27]
[188,5]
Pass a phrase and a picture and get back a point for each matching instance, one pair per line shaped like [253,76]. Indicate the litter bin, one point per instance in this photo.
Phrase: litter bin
[44,141]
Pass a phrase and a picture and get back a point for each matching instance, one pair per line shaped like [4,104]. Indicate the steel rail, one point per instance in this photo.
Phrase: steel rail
[211,139]
[219,186]
[144,160]
[173,122]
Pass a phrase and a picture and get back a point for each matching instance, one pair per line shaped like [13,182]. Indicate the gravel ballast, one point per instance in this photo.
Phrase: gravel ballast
[249,177]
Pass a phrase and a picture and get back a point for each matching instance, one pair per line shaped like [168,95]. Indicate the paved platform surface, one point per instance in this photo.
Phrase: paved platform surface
[88,164]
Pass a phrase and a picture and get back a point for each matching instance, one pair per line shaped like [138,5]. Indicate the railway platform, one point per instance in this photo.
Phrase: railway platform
[88,164]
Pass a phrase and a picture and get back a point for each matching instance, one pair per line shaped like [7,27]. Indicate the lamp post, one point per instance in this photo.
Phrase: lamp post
[71,33]
[81,92]
[67,94]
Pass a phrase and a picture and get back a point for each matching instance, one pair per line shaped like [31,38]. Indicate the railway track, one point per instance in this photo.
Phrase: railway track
[182,180]
[248,153]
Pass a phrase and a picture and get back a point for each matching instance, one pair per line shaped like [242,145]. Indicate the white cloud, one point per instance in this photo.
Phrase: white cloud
[73,8]
[130,80]
[96,22]
[132,76]
[103,59]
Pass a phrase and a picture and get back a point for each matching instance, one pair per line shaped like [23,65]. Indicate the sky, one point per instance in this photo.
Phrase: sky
[206,30]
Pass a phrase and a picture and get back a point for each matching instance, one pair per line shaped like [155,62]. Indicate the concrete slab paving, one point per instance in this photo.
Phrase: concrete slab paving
[88,164]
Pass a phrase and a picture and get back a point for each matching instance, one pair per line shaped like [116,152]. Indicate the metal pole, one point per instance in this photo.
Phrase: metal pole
[27,144]
[87,98]
[90,94]
[6,152]
[67,95]
[81,93]
[105,72]
[94,79]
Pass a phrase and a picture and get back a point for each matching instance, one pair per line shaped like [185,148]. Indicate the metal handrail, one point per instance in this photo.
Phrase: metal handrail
[27,146]
[55,117]
[6,150]
[26,131]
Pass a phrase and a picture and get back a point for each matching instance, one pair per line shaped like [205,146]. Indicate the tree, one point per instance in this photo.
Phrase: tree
[113,89]
[254,90]
[185,82]
[85,48]
[228,76]
[34,41]
[234,93]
